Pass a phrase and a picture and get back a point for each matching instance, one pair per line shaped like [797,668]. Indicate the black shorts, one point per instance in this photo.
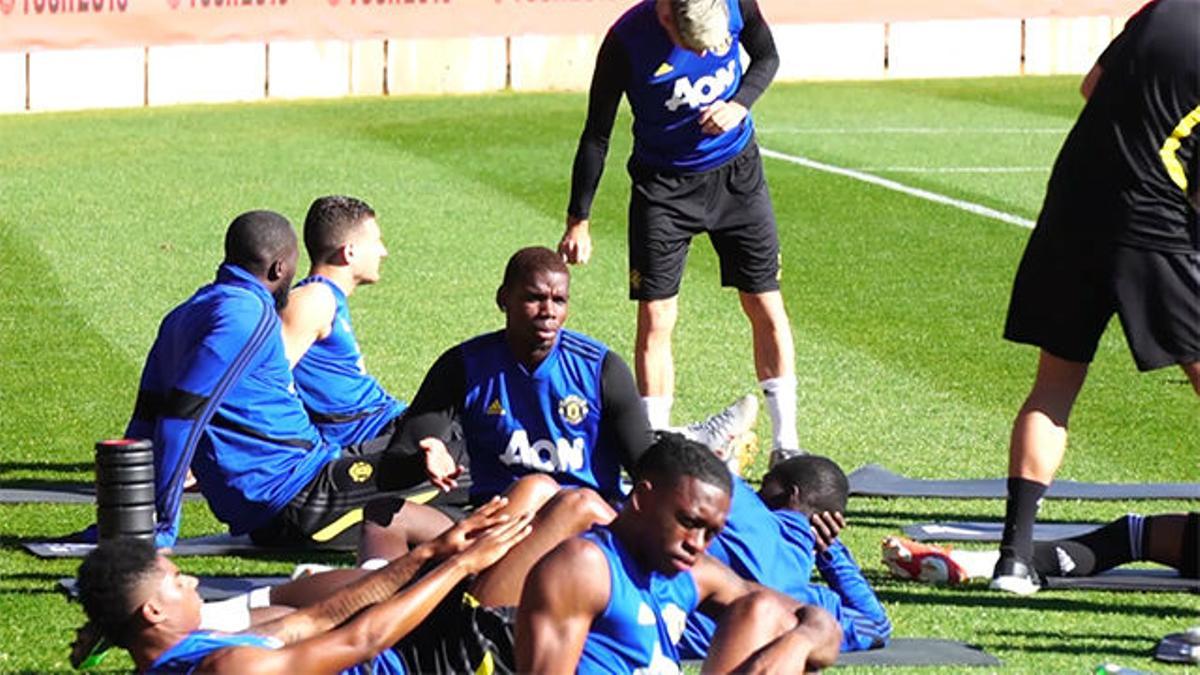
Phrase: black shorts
[1067,289]
[327,512]
[460,636]
[730,203]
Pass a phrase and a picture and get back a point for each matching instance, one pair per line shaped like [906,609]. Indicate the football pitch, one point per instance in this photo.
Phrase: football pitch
[903,209]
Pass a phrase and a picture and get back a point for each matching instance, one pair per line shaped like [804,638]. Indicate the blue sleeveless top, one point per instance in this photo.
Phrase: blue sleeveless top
[348,405]
[186,655]
[641,626]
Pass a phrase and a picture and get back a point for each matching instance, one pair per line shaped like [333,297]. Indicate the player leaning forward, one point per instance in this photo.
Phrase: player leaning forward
[695,168]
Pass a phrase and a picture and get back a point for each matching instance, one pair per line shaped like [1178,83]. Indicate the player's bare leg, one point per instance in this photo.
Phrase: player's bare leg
[757,619]
[1036,448]
[570,513]
[653,362]
[775,365]
[1193,373]
[1039,435]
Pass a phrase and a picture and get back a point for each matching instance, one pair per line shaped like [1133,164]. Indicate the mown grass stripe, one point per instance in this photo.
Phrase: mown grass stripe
[969,207]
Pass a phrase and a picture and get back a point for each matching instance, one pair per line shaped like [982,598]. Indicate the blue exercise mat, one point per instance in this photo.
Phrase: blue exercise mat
[873,480]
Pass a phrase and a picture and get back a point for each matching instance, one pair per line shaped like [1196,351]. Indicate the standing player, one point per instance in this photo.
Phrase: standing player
[1118,232]
[615,599]
[345,248]
[695,168]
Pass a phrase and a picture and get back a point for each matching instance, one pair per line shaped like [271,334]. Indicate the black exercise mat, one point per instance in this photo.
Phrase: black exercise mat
[1160,580]
[977,531]
[216,544]
[873,480]
[210,588]
[920,652]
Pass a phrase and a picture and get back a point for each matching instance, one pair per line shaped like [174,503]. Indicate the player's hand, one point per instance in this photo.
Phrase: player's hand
[721,116]
[575,247]
[440,466]
[825,526]
[491,545]
[456,539]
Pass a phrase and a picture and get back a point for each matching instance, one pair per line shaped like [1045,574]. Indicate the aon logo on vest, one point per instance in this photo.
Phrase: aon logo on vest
[543,454]
[704,91]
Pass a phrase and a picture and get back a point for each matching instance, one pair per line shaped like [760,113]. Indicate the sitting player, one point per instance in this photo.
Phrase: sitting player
[216,395]
[616,599]
[345,248]
[1170,539]
[535,398]
[775,537]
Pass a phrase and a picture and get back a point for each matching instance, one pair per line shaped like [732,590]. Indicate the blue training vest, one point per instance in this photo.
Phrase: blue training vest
[668,86]
[186,655]
[643,621]
[517,422]
[348,405]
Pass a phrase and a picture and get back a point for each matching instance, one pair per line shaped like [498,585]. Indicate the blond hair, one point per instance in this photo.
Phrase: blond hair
[703,25]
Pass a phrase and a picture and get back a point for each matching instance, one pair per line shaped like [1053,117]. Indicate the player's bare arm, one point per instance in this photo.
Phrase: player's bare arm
[564,592]
[383,624]
[308,317]
[808,636]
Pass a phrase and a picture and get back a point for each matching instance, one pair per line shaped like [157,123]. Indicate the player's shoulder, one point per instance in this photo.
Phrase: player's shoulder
[311,299]
[582,345]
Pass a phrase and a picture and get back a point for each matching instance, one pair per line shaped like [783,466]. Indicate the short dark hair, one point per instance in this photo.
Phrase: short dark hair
[107,581]
[820,482]
[330,221]
[530,260]
[256,239]
[672,457]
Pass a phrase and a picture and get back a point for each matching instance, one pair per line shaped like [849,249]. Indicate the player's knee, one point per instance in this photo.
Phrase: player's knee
[762,612]
[584,506]
[658,316]
[532,491]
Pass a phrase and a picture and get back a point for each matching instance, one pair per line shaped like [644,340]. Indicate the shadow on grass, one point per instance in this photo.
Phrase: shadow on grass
[41,583]
[7,467]
[1043,602]
[1037,642]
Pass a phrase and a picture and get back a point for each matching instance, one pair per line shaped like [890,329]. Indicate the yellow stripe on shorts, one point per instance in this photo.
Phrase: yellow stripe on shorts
[348,520]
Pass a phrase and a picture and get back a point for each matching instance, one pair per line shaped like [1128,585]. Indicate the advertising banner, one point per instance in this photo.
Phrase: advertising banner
[68,24]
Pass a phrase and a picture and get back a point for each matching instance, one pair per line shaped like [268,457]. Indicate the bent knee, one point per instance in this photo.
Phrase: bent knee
[533,490]
[584,504]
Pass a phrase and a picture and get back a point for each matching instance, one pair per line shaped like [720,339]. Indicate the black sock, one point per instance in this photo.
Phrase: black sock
[1020,511]
[1097,551]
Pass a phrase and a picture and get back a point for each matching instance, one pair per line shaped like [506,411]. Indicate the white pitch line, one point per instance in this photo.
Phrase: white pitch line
[969,207]
[918,130]
[957,169]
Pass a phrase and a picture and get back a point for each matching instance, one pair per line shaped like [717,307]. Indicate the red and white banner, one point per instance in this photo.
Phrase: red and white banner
[66,24]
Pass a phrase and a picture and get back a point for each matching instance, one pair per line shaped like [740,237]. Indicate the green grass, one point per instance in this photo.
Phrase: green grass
[108,219]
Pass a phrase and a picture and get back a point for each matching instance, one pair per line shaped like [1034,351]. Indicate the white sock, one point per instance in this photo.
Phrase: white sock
[658,410]
[228,616]
[780,393]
